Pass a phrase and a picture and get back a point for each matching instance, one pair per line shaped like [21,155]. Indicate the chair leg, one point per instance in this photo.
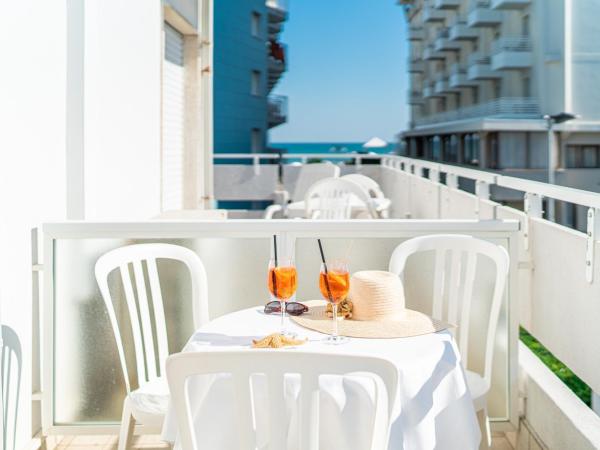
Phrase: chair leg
[484,426]
[127,427]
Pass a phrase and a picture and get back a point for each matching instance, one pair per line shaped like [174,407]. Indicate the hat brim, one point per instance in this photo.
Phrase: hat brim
[410,323]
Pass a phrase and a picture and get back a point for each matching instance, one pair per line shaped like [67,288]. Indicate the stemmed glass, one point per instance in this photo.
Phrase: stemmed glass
[282,281]
[334,283]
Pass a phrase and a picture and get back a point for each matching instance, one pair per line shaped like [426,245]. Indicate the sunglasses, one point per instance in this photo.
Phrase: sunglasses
[292,308]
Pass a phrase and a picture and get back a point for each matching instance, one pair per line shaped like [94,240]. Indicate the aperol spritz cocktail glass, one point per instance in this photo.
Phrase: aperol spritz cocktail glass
[283,282]
[334,284]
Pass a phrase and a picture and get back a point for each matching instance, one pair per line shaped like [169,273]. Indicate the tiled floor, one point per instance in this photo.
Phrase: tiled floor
[500,442]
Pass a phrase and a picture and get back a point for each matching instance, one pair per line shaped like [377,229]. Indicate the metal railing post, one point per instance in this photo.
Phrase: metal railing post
[533,208]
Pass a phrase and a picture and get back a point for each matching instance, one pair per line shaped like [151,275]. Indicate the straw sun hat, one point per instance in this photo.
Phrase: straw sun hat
[378,310]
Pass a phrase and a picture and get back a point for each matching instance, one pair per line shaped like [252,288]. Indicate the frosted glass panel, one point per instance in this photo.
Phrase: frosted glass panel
[89,386]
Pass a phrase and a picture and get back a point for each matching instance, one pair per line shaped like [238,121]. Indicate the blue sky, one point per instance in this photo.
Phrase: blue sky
[346,78]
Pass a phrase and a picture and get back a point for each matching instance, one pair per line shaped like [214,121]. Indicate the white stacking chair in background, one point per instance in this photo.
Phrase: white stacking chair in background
[275,364]
[463,254]
[374,191]
[309,175]
[333,198]
[148,403]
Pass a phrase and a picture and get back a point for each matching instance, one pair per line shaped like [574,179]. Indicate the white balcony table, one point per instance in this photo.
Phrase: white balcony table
[297,209]
[435,411]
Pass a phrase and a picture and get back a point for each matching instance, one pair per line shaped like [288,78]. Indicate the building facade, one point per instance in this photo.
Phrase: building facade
[484,73]
[249,60]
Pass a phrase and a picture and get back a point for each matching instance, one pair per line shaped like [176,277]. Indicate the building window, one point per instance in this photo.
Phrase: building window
[475,91]
[583,156]
[526,86]
[497,88]
[255,83]
[256,140]
[525,26]
[255,24]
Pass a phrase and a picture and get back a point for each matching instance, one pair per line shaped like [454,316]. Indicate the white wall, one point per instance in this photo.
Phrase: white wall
[32,158]
[123,43]
[115,158]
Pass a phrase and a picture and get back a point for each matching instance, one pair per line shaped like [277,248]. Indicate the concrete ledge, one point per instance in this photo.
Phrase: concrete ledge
[558,417]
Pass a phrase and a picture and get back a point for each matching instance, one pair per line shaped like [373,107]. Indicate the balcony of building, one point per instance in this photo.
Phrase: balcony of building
[481,14]
[458,77]
[480,68]
[415,64]
[277,13]
[415,97]
[429,91]
[502,108]
[447,4]
[510,53]
[431,54]
[510,4]
[442,84]
[432,15]
[460,31]
[416,33]
[553,274]
[277,63]
[277,110]
[443,42]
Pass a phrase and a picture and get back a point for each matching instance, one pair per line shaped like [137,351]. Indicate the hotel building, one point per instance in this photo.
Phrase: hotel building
[249,60]
[483,73]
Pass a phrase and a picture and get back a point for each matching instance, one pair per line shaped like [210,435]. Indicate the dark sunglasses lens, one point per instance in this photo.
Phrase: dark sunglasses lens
[295,309]
[272,307]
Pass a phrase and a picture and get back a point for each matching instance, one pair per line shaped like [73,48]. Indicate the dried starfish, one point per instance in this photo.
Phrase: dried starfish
[276,340]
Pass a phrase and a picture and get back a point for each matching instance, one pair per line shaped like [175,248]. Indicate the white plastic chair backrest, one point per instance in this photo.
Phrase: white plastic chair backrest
[141,308]
[462,252]
[369,184]
[275,364]
[331,199]
[310,174]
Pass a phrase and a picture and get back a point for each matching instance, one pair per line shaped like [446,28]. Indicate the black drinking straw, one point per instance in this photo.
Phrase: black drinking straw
[273,277]
[325,268]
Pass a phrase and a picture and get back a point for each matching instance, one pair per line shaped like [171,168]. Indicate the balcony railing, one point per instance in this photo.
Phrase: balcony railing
[443,43]
[415,65]
[433,15]
[460,30]
[504,107]
[281,5]
[511,44]
[458,76]
[512,53]
[415,97]
[478,58]
[481,14]
[447,4]
[480,68]
[416,33]
[430,53]
[510,4]
[277,110]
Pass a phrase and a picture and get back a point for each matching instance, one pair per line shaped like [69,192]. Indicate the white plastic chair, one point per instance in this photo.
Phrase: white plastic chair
[374,191]
[309,175]
[457,286]
[332,198]
[148,403]
[275,364]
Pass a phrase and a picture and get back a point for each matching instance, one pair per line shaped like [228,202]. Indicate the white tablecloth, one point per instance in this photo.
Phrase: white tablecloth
[436,411]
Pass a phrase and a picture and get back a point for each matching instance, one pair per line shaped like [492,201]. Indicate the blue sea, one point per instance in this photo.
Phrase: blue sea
[329,147]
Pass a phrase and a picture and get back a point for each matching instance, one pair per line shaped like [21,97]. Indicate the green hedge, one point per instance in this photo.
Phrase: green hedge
[573,382]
